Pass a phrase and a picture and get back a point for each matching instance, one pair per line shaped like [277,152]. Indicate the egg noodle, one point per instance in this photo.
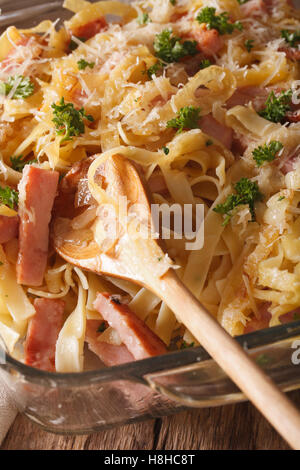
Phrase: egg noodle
[137,95]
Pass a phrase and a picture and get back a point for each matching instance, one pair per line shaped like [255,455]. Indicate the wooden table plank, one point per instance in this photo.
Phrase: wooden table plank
[229,427]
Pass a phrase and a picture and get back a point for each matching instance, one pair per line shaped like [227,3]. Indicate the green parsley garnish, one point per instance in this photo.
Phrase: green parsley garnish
[155,68]
[143,18]
[263,360]
[276,107]
[204,64]
[24,89]
[281,198]
[267,152]
[73,45]
[187,118]
[247,192]
[68,120]
[208,143]
[9,197]
[173,2]
[296,316]
[169,47]
[101,327]
[291,38]
[219,22]
[18,163]
[185,345]
[83,64]
[249,44]
[166,150]
[242,2]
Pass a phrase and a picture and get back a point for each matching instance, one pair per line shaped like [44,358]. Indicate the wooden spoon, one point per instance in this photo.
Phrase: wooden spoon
[144,261]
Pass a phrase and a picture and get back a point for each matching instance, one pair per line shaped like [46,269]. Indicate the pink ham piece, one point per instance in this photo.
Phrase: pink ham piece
[134,333]
[88,30]
[209,42]
[260,322]
[42,333]
[214,128]
[37,190]
[8,228]
[254,8]
[110,354]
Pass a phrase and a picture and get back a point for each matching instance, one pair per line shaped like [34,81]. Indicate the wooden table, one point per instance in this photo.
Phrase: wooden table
[229,427]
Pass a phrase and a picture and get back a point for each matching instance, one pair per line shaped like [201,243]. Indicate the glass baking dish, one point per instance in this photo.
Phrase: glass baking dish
[97,399]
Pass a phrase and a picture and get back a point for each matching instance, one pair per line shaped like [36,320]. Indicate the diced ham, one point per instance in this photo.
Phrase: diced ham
[8,228]
[244,95]
[215,129]
[157,183]
[293,116]
[254,8]
[261,322]
[134,333]
[110,354]
[88,30]
[37,190]
[208,41]
[291,52]
[42,333]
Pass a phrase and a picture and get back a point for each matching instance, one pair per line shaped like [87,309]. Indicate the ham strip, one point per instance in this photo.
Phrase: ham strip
[8,228]
[110,354]
[134,333]
[209,42]
[214,128]
[42,333]
[88,30]
[37,190]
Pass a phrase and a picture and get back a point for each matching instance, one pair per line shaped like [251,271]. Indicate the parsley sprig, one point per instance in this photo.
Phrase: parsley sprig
[25,87]
[291,38]
[187,118]
[249,44]
[276,106]
[83,64]
[18,163]
[9,197]
[155,68]
[219,22]
[247,192]
[204,64]
[69,121]
[267,152]
[144,18]
[170,48]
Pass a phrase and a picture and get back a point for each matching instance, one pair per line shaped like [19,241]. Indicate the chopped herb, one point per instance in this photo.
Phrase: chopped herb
[276,107]
[73,45]
[263,360]
[159,259]
[187,118]
[296,316]
[144,18]
[24,88]
[157,67]
[173,2]
[281,198]
[9,197]
[185,345]
[101,327]
[219,22]
[169,48]
[204,64]
[18,163]
[249,44]
[291,38]
[267,152]
[166,150]
[61,176]
[115,300]
[242,2]
[83,64]
[208,143]
[247,192]
[1,263]
[68,120]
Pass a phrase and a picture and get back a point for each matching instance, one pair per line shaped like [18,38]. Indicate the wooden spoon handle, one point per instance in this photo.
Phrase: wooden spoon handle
[248,376]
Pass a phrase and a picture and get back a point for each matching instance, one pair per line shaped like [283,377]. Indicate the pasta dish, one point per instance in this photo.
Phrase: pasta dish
[201,96]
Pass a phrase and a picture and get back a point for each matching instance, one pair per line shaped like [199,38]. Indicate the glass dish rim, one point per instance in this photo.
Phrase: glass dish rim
[136,370]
